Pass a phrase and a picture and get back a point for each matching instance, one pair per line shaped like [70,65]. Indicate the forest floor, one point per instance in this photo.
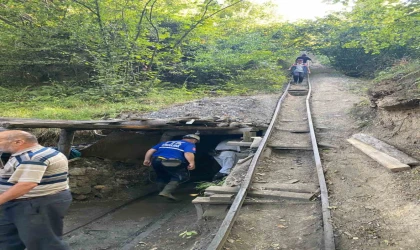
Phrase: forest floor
[371,207]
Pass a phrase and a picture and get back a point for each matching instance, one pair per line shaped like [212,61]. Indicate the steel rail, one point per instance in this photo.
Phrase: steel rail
[326,215]
[223,232]
[328,235]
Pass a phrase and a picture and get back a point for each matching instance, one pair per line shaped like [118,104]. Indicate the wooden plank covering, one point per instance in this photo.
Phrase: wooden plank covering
[385,160]
[151,124]
[387,149]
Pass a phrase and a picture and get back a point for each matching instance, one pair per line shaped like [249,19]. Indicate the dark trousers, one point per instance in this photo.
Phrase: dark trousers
[167,174]
[34,224]
[298,77]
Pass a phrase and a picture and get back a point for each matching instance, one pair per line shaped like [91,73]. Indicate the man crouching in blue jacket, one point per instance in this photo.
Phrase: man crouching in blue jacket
[170,160]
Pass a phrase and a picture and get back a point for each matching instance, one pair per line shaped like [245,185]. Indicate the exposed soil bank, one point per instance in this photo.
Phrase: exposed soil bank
[371,207]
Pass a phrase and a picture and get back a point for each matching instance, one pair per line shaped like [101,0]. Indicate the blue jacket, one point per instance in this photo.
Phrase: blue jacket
[174,149]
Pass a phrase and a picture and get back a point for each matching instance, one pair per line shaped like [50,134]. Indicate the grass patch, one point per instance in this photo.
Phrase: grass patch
[73,108]
[78,103]
[401,68]
[201,186]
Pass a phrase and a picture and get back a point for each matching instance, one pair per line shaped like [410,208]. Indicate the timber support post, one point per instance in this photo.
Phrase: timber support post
[65,141]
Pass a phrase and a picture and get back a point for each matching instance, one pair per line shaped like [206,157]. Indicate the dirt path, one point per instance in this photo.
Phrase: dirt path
[370,208]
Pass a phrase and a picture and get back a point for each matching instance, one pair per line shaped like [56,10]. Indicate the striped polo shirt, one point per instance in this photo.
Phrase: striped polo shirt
[45,166]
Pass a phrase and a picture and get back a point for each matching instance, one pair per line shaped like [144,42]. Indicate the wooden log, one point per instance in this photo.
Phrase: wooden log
[385,160]
[65,141]
[387,149]
[119,124]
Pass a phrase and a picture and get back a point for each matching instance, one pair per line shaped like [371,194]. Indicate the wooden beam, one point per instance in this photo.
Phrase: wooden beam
[297,188]
[286,147]
[239,143]
[206,200]
[385,160]
[222,190]
[301,195]
[156,124]
[65,141]
[221,197]
[256,142]
[387,149]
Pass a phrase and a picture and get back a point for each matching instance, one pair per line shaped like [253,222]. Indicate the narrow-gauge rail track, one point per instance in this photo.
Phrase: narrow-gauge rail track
[288,225]
[291,222]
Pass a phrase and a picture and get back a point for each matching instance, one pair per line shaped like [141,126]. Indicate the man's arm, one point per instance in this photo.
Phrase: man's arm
[17,191]
[191,160]
[148,156]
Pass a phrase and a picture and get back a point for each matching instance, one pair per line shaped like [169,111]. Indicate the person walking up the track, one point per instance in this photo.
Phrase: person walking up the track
[299,70]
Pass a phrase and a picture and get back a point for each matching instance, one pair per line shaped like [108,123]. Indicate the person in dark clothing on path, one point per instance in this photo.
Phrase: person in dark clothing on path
[304,57]
[299,70]
[171,161]
[34,194]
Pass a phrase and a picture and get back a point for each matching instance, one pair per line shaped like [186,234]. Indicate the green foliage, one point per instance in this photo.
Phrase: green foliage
[201,186]
[371,37]
[89,59]
[188,234]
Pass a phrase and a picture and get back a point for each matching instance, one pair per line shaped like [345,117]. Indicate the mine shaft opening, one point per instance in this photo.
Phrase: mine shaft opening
[206,165]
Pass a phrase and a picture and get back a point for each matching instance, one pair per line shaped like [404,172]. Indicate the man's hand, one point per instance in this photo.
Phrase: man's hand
[147,163]
[17,191]
[191,166]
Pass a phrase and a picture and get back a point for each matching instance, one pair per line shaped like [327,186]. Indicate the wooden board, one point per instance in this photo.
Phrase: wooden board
[385,160]
[261,193]
[280,195]
[256,142]
[239,143]
[387,149]
[215,210]
[298,188]
[206,200]
[285,147]
[222,190]
[221,197]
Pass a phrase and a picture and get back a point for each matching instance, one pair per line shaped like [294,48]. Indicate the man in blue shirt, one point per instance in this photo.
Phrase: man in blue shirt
[170,160]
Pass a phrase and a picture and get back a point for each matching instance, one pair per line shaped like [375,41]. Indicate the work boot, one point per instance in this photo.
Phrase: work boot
[169,188]
[219,176]
[160,186]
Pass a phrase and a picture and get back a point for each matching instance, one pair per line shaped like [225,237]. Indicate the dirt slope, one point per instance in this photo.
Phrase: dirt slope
[371,207]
